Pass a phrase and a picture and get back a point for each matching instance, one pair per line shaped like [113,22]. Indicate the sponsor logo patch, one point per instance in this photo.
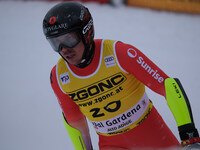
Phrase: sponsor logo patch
[109,61]
[65,78]
[98,88]
[88,26]
[52,20]
[145,64]
[132,53]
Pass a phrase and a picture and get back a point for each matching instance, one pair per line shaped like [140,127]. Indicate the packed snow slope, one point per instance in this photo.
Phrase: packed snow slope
[30,115]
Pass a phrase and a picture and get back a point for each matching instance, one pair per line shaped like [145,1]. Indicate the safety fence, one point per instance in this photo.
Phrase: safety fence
[185,6]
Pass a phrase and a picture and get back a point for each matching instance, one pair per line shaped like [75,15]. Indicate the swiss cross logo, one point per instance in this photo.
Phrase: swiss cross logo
[52,20]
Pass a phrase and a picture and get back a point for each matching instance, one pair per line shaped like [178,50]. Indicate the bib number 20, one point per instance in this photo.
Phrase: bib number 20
[108,108]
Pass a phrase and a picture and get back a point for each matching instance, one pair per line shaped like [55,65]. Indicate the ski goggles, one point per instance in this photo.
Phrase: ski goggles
[69,40]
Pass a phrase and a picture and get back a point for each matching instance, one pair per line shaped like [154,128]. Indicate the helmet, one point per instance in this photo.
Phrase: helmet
[68,17]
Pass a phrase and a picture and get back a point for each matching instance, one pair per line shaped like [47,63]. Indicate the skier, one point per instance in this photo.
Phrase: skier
[104,81]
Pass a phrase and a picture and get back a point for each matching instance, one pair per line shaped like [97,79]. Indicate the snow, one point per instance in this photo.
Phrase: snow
[30,115]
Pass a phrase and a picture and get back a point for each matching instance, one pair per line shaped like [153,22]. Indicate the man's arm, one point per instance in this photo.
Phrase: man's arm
[179,104]
[135,62]
[74,120]
[76,135]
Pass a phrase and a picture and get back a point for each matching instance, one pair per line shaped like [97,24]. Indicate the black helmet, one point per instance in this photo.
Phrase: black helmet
[68,17]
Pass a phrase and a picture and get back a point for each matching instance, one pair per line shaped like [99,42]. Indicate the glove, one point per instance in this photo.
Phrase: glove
[189,137]
[188,131]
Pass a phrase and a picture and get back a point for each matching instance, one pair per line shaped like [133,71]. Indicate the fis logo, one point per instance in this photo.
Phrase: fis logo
[109,61]
[65,78]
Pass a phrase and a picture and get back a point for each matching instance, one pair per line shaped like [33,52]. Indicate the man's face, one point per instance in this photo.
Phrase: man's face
[73,55]
[70,47]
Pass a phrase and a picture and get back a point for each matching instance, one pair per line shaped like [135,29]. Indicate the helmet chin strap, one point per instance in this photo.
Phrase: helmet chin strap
[87,57]
[83,60]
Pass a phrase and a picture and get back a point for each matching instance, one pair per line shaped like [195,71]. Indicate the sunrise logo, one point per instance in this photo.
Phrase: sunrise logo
[148,68]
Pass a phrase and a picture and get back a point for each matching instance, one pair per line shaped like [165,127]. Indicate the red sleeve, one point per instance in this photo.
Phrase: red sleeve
[135,62]
[70,109]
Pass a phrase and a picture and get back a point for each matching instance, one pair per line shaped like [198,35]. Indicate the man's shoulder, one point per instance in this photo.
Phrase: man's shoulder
[53,70]
[99,42]
[60,61]
[53,74]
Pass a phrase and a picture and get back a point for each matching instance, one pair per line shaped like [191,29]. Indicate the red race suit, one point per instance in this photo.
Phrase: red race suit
[110,92]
